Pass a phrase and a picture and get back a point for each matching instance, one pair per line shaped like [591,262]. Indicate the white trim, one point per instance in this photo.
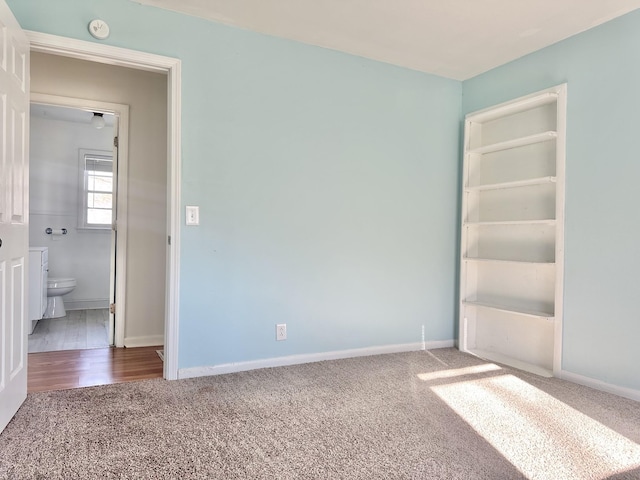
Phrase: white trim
[100,53]
[309,358]
[435,344]
[172,301]
[561,160]
[631,393]
[95,52]
[510,107]
[146,341]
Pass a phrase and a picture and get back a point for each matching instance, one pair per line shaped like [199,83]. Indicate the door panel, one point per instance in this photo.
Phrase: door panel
[17,333]
[18,167]
[14,208]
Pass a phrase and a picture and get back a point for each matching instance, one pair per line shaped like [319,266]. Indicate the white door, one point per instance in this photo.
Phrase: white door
[14,218]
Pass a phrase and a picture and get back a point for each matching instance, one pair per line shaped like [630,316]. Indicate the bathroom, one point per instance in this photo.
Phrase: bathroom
[71,178]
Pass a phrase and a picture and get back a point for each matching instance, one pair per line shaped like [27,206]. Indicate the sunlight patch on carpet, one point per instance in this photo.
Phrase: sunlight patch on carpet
[541,436]
[458,372]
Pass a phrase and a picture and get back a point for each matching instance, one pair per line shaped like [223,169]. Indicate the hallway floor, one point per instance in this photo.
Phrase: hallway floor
[80,329]
[84,368]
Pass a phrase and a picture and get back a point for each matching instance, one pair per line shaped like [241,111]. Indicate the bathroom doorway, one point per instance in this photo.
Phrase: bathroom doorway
[74,186]
[142,198]
[150,85]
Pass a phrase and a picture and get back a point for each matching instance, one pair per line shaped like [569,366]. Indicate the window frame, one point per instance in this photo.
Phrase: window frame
[83,190]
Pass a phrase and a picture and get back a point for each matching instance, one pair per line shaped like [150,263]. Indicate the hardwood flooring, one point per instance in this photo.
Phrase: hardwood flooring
[82,368]
[78,329]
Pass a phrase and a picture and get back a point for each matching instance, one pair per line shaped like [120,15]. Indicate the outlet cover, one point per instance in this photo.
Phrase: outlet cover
[281,331]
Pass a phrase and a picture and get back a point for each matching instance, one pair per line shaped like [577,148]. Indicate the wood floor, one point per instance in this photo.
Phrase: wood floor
[82,368]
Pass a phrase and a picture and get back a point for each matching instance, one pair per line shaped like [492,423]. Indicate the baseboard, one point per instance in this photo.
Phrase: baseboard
[600,385]
[438,344]
[308,358]
[89,304]
[148,341]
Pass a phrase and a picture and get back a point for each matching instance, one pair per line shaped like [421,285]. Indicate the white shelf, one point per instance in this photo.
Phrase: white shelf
[510,108]
[518,311]
[514,184]
[512,362]
[512,235]
[519,262]
[517,142]
[548,221]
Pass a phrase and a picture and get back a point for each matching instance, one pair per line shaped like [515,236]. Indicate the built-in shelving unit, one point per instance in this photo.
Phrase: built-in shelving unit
[513,232]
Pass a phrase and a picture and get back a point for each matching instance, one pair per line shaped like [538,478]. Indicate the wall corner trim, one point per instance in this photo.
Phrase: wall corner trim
[631,393]
[308,358]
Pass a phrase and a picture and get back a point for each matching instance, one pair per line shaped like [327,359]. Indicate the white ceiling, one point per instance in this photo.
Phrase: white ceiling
[452,38]
[67,114]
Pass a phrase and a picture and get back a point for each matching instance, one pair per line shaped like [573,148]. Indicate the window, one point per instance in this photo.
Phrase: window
[96,184]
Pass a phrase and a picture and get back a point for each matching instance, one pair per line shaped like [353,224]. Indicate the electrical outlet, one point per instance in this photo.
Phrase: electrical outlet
[281,331]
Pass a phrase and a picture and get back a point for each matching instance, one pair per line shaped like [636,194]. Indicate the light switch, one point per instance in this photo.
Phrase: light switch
[193,215]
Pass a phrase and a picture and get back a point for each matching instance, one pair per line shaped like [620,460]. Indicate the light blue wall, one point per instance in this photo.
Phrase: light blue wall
[327,187]
[602,258]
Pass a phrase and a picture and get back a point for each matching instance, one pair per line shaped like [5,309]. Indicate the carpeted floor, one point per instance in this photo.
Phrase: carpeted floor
[420,415]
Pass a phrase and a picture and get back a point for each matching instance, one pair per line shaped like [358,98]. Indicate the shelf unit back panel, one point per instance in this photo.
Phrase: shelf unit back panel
[521,124]
[520,286]
[535,202]
[527,339]
[522,163]
[527,243]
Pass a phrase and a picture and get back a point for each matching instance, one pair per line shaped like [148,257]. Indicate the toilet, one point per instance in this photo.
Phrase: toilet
[56,288]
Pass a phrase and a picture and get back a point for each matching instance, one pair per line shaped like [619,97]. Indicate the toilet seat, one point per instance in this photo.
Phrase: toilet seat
[61,282]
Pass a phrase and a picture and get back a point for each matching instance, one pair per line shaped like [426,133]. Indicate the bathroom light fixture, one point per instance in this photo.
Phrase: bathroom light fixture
[97,120]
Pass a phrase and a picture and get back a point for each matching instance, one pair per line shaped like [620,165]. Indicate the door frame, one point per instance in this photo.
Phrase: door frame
[101,53]
[121,111]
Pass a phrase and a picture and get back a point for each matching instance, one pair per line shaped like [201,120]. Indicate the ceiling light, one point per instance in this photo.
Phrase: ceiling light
[97,120]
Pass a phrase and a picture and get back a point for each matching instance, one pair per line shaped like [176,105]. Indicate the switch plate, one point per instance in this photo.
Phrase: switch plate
[193,215]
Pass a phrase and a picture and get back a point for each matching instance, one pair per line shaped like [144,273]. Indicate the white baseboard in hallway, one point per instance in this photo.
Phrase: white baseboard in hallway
[79,329]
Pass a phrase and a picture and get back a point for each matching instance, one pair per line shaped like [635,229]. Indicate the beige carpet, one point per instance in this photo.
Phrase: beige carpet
[421,415]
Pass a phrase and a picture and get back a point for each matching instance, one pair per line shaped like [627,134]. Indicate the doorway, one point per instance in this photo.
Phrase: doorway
[140,211]
[73,208]
[21,43]
[142,184]
[170,68]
